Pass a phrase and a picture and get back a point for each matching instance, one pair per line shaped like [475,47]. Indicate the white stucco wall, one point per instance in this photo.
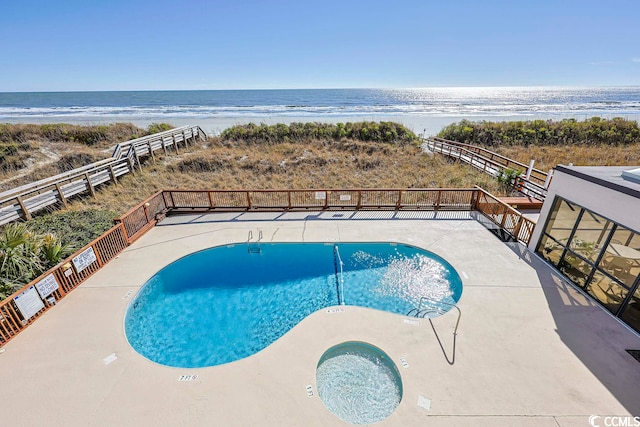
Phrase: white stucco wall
[611,204]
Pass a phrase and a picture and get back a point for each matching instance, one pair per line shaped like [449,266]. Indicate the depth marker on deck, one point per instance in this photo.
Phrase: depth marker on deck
[404,362]
[128,294]
[464,274]
[309,391]
[411,322]
[110,359]
[187,377]
[335,310]
[423,402]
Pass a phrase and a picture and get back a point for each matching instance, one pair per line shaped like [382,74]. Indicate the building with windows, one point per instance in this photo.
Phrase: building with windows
[589,229]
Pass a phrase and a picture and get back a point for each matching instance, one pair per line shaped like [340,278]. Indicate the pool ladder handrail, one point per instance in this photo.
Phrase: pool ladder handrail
[254,247]
[339,277]
[421,313]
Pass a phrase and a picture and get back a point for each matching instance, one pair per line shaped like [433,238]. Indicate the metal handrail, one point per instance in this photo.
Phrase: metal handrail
[340,281]
[455,330]
[419,310]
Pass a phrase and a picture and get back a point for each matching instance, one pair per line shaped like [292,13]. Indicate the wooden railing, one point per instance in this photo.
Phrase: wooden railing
[355,199]
[493,164]
[21,202]
[67,276]
[538,176]
[507,218]
[55,284]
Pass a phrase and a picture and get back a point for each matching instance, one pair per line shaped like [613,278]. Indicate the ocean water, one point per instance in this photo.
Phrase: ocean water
[417,108]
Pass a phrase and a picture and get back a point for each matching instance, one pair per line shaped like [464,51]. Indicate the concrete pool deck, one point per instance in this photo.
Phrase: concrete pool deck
[531,350]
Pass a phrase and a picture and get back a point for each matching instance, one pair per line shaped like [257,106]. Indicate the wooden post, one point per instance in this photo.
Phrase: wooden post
[505,211]
[516,230]
[289,198]
[153,157]
[98,257]
[113,174]
[62,198]
[137,159]
[359,204]
[93,191]
[399,201]
[145,207]
[132,168]
[26,213]
[210,200]
[548,180]
[164,147]
[175,144]
[437,207]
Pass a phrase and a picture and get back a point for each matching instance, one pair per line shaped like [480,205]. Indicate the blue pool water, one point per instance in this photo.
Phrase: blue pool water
[224,304]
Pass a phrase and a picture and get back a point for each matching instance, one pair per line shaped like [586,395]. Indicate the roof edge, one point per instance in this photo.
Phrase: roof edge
[599,181]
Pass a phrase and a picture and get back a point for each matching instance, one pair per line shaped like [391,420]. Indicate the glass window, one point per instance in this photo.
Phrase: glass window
[620,258]
[575,268]
[607,291]
[562,220]
[631,314]
[550,250]
[590,235]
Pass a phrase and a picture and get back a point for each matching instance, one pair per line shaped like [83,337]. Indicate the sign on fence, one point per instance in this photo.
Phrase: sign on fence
[321,195]
[28,302]
[47,286]
[84,259]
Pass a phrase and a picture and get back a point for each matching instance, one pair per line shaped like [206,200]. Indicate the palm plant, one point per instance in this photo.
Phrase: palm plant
[19,257]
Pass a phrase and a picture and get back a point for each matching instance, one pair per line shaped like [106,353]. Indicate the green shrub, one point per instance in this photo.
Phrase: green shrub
[593,131]
[251,133]
[158,127]
[76,228]
[29,249]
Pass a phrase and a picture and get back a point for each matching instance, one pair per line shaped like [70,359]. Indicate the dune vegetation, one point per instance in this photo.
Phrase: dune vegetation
[296,156]
[594,141]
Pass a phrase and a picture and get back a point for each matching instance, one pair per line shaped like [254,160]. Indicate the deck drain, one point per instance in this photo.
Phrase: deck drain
[635,354]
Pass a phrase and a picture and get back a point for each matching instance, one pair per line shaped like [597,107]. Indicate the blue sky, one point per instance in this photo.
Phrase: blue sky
[227,44]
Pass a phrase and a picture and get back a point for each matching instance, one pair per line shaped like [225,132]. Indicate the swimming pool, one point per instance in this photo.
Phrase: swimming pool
[227,303]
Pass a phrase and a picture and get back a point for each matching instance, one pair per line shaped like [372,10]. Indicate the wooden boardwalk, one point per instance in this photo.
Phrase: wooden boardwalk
[22,202]
[532,182]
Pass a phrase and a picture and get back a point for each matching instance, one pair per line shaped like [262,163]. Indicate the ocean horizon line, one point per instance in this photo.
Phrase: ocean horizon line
[515,87]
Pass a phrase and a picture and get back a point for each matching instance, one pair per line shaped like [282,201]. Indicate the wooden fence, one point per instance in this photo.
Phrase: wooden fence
[29,303]
[494,164]
[21,202]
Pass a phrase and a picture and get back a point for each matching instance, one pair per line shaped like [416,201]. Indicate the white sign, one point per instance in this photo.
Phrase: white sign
[85,259]
[29,303]
[47,286]
[345,197]
[321,195]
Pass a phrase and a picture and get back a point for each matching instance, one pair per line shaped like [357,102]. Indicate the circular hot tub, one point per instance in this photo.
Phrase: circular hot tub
[358,383]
